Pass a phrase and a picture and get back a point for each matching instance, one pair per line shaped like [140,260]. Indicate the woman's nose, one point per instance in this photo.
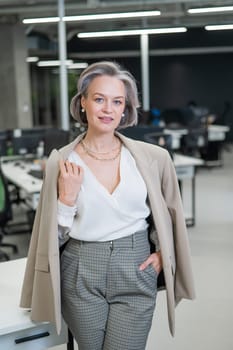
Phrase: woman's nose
[108,105]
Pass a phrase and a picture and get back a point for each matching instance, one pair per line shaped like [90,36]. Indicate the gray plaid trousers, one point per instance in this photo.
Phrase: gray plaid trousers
[107,302]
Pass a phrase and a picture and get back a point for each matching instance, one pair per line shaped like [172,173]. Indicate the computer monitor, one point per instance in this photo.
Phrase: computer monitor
[26,143]
[4,141]
[3,144]
[160,139]
[55,139]
[180,117]
[138,132]
[27,140]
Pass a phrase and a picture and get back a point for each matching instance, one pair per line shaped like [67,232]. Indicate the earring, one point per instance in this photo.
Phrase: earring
[82,110]
[123,115]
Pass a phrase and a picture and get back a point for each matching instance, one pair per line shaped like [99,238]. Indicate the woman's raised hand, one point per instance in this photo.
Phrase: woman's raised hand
[69,182]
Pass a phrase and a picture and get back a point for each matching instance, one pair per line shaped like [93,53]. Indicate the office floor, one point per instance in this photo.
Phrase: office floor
[206,323]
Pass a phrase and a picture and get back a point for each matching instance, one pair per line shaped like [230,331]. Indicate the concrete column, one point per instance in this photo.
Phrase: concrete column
[35,96]
[15,95]
[65,118]
[144,44]
[144,41]
[47,97]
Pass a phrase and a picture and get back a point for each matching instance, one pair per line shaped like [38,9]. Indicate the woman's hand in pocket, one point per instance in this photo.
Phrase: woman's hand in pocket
[155,259]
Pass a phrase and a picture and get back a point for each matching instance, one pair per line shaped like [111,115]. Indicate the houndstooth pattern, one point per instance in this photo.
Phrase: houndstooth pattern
[107,302]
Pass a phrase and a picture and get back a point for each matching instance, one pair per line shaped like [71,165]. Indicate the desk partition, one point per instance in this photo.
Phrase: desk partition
[26,141]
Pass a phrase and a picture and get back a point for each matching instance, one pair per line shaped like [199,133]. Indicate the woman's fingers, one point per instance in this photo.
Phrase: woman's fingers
[154,259]
[146,263]
[77,170]
[70,168]
[69,181]
[81,173]
[62,166]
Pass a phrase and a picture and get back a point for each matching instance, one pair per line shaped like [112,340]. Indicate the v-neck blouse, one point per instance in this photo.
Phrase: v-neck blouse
[101,216]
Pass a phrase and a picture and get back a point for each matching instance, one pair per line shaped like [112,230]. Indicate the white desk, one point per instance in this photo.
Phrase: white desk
[216,138]
[182,163]
[17,331]
[16,171]
[217,132]
[214,132]
[176,136]
[186,169]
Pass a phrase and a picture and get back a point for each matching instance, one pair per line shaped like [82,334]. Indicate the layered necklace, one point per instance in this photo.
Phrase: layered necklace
[93,153]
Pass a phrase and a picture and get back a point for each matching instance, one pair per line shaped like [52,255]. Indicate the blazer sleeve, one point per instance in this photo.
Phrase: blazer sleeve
[39,247]
[27,286]
[184,284]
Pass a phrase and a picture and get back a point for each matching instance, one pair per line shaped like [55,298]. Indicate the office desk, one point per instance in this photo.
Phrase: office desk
[17,331]
[176,136]
[217,132]
[16,171]
[186,169]
[212,154]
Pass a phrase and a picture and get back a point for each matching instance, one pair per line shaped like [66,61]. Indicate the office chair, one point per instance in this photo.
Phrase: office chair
[160,139]
[5,216]
[55,138]
[139,131]
[194,141]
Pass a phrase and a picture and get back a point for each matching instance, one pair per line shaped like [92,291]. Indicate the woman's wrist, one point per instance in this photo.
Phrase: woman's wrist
[69,203]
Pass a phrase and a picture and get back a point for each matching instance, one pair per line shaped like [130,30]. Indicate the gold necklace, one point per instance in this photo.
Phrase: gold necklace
[92,151]
[97,158]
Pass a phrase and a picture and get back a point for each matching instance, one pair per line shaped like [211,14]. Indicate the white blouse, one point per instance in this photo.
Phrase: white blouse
[101,216]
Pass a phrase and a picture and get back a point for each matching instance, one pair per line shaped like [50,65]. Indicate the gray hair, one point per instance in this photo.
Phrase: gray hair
[111,69]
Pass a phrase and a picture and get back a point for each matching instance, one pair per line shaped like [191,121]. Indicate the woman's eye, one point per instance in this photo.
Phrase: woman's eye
[99,99]
[118,102]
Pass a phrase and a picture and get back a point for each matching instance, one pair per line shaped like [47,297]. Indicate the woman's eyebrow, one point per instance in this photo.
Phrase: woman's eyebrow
[99,93]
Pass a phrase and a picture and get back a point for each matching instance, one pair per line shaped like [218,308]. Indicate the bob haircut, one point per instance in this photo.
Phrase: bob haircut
[114,70]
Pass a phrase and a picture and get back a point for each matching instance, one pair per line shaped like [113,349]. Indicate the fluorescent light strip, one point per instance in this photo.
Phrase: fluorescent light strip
[93,17]
[41,20]
[53,63]
[112,16]
[210,9]
[78,65]
[32,59]
[132,32]
[219,27]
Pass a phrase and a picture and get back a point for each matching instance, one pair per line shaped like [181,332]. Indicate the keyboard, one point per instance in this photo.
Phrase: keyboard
[36,173]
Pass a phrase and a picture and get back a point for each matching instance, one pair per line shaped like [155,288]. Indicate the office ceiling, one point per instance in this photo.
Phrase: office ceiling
[173,13]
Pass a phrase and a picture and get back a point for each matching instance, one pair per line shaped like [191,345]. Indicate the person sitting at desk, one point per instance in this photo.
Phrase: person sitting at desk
[116,203]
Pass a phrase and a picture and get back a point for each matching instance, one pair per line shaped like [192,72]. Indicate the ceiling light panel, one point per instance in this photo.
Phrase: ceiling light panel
[210,9]
[132,32]
[53,63]
[120,15]
[219,27]
[94,17]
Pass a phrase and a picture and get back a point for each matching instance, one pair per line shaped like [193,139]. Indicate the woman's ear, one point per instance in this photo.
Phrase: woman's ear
[82,102]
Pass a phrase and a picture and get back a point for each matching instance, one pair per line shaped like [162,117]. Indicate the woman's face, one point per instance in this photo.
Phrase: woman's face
[104,103]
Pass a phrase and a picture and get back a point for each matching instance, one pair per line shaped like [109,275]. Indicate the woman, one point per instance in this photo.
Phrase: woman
[117,203]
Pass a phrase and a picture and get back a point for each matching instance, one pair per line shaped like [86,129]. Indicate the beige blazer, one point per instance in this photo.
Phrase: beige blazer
[41,285]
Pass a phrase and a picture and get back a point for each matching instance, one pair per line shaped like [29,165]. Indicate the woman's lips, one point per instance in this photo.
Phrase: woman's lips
[106,119]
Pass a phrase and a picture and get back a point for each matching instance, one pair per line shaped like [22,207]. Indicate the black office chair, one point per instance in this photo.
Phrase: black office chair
[55,138]
[5,216]
[140,131]
[194,141]
[160,139]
